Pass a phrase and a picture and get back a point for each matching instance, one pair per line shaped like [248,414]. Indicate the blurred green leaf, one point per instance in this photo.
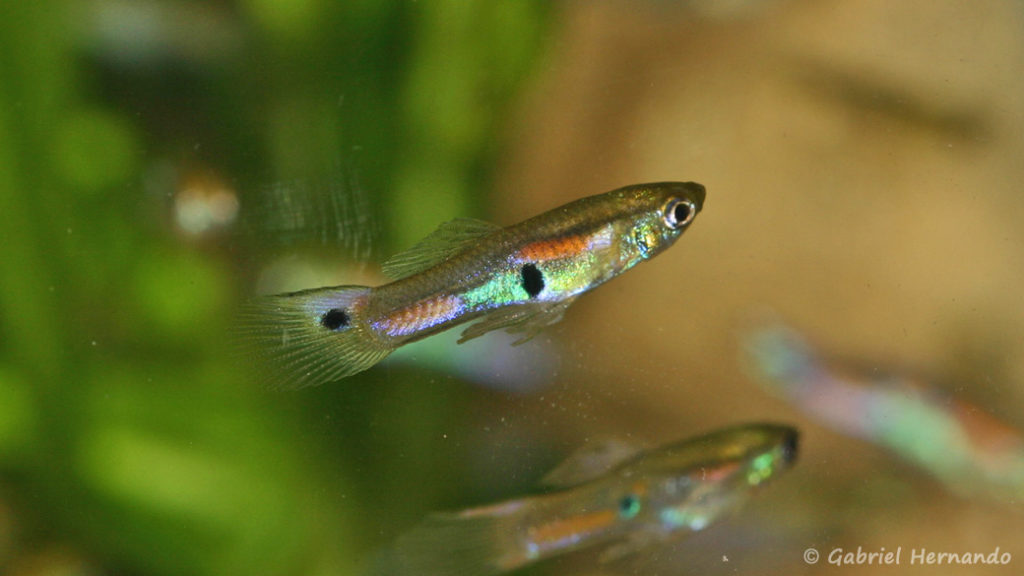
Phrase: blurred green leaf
[128,430]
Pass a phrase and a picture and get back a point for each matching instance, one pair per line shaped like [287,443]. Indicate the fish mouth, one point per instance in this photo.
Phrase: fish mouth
[696,192]
[790,446]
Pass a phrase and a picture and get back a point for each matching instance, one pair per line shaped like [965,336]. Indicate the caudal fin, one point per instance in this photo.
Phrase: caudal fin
[311,337]
[474,543]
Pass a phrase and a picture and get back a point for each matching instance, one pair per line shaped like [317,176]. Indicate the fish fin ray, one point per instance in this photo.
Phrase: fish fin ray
[525,319]
[284,334]
[471,543]
[590,462]
[448,239]
[630,545]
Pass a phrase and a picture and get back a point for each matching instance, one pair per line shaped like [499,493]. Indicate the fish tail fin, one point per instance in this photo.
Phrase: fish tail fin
[311,337]
[479,542]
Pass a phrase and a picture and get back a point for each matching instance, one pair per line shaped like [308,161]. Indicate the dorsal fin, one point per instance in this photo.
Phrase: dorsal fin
[590,462]
[450,238]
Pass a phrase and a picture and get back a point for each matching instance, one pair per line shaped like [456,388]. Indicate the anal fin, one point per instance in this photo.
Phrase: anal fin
[526,319]
[630,545]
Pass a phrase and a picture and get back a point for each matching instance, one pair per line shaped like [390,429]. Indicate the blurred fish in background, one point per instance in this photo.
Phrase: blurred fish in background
[966,448]
[606,496]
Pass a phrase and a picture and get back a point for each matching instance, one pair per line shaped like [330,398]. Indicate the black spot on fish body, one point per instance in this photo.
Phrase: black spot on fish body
[335,319]
[533,280]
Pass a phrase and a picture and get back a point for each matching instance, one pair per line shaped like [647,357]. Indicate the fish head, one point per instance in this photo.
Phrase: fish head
[656,215]
[693,483]
[781,358]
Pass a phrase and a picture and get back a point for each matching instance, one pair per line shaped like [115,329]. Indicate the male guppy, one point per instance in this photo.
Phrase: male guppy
[621,501]
[520,278]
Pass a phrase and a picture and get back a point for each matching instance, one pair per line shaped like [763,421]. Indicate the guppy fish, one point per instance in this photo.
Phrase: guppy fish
[623,502]
[520,278]
[968,449]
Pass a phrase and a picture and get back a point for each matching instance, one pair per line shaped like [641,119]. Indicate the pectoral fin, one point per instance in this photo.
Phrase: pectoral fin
[633,543]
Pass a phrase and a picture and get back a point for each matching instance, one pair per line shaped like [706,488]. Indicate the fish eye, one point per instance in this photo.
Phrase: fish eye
[629,506]
[679,213]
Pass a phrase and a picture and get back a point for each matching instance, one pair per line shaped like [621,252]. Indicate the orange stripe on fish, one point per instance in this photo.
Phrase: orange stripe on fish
[988,435]
[716,474]
[420,315]
[553,249]
[557,532]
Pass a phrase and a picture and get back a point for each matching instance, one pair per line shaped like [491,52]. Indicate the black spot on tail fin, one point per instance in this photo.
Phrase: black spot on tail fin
[309,338]
[335,319]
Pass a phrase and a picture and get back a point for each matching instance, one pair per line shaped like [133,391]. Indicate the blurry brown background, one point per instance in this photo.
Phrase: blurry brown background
[863,161]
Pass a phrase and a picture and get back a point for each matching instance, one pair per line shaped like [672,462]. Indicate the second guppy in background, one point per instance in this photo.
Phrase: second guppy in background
[624,501]
[520,278]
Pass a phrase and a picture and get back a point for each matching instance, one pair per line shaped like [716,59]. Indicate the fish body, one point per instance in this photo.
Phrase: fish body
[519,278]
[965,447]
[638,502]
